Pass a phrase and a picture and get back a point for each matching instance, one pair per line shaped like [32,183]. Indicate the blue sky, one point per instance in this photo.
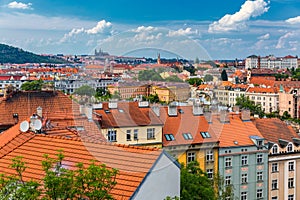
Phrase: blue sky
[215,29]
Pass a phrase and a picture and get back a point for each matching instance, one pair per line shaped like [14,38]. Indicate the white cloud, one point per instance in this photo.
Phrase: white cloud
[19,5]
[182,32]
[144,28]
[101,27]
[282,40]
[294,20]
[264,37]
[238,20]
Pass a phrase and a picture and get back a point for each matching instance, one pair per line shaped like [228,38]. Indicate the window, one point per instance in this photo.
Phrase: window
[291,166]
[275,198]
[259,158]
[291,197]
[150,133]
[191,156]
[128,135]
[243,195]
[209,173]
[228,162]
[275,149]
[205,134]
[259,176]
[291,182]
[227,180]
[259,193]
[274,167]
[209,155]
[244,160]
[259,143]
[135,134]
[112,135]
[187,136]
[244,178]
[169,137]
[289,147]
[274,184]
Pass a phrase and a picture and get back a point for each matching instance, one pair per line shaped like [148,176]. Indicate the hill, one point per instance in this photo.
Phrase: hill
[9,54]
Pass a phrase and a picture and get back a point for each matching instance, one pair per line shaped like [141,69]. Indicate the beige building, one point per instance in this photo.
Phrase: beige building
[130,123]
[130,89]
[222,95]
[289,101]
[284,158]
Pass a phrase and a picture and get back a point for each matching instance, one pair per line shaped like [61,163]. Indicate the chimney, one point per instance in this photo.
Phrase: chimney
[81,109]
[245,115]
[143,104]
[197,109]
[208,117]
[172,110]
[39,111]
[89,112]
[156,110]
[224,118]
[112,104]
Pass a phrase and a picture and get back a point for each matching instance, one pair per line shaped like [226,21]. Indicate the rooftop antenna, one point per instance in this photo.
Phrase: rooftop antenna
[24,126]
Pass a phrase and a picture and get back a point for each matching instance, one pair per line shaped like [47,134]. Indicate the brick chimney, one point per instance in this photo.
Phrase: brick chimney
[245,115]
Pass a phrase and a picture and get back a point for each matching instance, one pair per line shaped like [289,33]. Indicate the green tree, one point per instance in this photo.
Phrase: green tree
[195,81]
[245,103]
[173,78]
[33,85]
[224,76]
[93,182]
[223,191]
[286,115]
[153,98]
[85,90]
[208,78]
[148,75]
[195,184]
[102,94]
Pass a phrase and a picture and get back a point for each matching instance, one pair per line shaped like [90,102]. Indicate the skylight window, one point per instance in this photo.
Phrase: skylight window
[121,110]
[205,134]
[169,137]
[107,111]
[187,136]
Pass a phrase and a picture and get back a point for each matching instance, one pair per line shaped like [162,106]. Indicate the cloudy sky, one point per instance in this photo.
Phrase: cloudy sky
[214,29]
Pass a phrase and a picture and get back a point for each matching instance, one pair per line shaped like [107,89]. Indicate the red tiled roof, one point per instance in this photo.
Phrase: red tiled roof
[262,90]
[26,103]
[274,129]
[185,122]
[133,163]
[235,131]
[267,81]
[128,114]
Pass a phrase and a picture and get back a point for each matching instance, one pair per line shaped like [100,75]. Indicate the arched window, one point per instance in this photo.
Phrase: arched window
[275,149]
[289,148]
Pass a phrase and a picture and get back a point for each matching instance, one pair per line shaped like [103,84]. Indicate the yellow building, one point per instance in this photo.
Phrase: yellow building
[131,123]
[187,137]
[169,92]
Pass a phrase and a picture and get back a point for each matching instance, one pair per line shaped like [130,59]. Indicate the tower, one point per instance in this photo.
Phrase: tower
[158,58]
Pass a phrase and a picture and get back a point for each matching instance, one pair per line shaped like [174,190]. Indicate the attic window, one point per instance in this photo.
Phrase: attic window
[187,136]
[205,134]
[289,147]
[169,137]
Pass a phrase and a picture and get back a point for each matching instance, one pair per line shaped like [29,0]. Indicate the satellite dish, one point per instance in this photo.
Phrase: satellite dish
[38,124]
[24,126]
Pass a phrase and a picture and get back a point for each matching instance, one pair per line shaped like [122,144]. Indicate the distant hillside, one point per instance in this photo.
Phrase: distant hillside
[9,54]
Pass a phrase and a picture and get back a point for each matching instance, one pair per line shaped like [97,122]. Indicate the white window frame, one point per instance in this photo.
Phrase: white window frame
[291,183]
[244,195]
[112,135]
[244,179]
[290,148]
[260,158]
[291,197]
[274,184]
[274,167]
[128,135]
[291,165]
[227,180]
[209,155]
[136,134]
[150,133]
[244,160]
[259,193]
[190,157]
[275,149]
[210,173]
[259,176]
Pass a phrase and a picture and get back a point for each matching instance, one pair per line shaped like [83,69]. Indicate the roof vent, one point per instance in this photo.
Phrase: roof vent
[143,104]
[112,104]
[172,110]
[97,106]
[197,110]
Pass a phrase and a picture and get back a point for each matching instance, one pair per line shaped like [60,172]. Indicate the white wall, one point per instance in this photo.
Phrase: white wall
[163,181]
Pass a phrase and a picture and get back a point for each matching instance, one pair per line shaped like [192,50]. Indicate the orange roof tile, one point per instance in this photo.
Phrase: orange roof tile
[185,122]
[133,163]
[128,114]
[262,90]
[274,129]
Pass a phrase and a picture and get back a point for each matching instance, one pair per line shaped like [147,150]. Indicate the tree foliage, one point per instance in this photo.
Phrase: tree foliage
[195,81]
[224,76]
[195,184]
[33,85]
[85,90]
[245,102]
[173,78]
[103,94]
[92,182]
[148,75]
[208,78]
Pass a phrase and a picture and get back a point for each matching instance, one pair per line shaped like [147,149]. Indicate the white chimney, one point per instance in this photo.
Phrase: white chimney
[172,110]
[224,118]
[208,117]
[197,109]
[39,111]
[156,110]
[89,112]
[113,104]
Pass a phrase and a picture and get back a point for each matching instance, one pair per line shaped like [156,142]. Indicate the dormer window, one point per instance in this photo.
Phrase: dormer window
[289,148]
[275,149]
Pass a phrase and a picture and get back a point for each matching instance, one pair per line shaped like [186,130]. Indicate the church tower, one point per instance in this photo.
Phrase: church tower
[158,59]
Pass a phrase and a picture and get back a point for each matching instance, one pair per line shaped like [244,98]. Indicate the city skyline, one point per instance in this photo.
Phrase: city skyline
[190,29]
